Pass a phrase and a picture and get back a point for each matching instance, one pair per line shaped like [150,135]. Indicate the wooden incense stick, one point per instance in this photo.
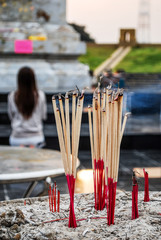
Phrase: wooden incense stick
[120,105]
[99,118]
[115,123]
[124,124]
[60,135]
[102,135]
[63,120]
[104,144]
[109,140]
[112,138]
[97,127]
[64,126]
[78,125]
[107,126]
[94,129]
[68,133]
[73,131]
[61,141]
[91,134]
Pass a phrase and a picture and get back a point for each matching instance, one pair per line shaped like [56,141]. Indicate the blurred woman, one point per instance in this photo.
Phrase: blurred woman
[27,110]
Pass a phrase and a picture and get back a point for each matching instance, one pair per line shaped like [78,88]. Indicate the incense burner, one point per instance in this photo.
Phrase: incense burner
[33,220]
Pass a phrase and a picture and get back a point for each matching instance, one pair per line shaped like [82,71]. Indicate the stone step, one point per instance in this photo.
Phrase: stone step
[147,75]
[49,130]
[142,83]
[142,79]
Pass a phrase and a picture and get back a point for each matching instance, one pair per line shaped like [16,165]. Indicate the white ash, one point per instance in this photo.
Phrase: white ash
[19,221]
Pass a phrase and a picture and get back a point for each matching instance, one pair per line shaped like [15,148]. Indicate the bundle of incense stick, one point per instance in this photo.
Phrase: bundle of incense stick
[105,137]
[54,198]
[135,213]
[146,187]
[69,144]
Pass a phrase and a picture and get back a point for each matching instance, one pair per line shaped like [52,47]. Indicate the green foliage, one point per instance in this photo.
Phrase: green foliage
[142,60]
[96,54]
[84,35]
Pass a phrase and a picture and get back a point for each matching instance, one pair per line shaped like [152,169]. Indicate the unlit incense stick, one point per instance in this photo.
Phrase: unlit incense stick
[69,156]
[105,138]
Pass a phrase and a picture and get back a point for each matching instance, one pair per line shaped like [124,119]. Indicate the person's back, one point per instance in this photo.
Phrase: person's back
[27,110]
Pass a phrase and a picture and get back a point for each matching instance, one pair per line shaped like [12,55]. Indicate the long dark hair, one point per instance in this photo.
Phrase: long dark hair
[26,95]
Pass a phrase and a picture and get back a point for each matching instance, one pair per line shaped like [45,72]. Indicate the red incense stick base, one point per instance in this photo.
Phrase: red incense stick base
[99,184]
[111,199]
[135,213]
[54,199]
[146,187]
[71,186]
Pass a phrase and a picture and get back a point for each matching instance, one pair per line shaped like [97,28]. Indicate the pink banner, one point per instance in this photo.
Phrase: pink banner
[23,46]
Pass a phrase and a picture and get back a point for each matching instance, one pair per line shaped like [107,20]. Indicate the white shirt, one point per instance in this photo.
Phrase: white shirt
[27,128]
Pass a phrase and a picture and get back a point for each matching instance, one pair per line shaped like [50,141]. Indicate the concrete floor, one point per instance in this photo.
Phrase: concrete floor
[129,159]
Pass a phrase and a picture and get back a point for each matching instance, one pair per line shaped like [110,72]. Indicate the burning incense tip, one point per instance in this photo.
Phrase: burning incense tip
[109,86]
[66,96]
[127,114]
[116,98]
[81,97]
[83,91]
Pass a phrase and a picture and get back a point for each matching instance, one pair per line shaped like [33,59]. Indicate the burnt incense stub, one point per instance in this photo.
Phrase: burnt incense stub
[55,45]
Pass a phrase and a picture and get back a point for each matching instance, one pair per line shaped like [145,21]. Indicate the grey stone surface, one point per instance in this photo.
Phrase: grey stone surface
[53,11]
[60,39]
[58,75]
[56,9]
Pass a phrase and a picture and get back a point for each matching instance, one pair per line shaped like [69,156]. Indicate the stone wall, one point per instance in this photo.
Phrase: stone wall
[58,75]
[53,11]
[60,39]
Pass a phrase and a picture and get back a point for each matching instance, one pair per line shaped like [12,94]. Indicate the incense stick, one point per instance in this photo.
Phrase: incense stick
[91,134]
[120,106]
[105,138]
[68,133]
[61,142]
[63,129]
[124,124]
[73,131]
[78,121]
[60,135]
[115,139]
